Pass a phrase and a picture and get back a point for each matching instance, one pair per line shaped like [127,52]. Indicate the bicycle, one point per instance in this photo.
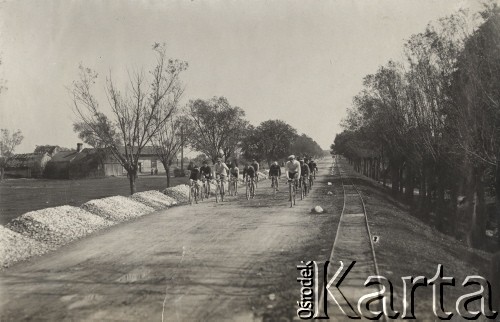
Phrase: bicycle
[219,190]
[311,182]
[233,186]
[250,188]
[303,187]
[274,185]
[193,192]
[292,188]
[205,191]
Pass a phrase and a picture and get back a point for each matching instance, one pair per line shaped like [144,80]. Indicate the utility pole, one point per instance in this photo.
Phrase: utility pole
[182,147]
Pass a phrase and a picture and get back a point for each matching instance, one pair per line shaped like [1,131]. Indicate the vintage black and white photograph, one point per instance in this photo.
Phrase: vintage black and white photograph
[232,160]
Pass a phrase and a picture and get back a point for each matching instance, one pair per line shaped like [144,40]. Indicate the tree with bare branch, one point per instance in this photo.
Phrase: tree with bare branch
[8,143]
[136,114]
[169,139]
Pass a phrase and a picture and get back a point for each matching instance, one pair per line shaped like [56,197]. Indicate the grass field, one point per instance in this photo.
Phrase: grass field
[18,196]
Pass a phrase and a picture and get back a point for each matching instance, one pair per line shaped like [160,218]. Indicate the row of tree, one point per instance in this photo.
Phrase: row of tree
[149,114]
[432,123]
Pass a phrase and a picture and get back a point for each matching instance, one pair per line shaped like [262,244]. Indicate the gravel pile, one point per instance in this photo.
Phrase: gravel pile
[179,193]
[154,199]
[262,176]
[117,208]
[15,247]
[59,225]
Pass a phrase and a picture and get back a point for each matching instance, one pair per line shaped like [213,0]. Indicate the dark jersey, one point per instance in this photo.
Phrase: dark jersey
[255,166]
[234,172]
[274,170]
[304,170]
[313,166]
[206,171]
[249,171]
[195,174]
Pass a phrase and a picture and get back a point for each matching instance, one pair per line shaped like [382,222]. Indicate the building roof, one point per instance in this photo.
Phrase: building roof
[64,156]
[74,156]
[24,159]
[147,150]
[50,149]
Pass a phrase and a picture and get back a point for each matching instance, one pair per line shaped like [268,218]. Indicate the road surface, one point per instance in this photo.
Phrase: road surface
[234,261]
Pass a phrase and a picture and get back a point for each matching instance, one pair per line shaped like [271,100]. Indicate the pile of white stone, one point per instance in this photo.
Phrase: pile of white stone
[15,247]
[179,193]
[59,225]
[40,231]
[117,208]
[154,199]
[262,176]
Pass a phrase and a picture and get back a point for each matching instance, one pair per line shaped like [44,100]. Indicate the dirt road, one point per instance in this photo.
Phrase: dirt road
[234,261]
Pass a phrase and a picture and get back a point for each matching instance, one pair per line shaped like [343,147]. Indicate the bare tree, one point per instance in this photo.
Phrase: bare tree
[8,143]
[136,115]
[168,140]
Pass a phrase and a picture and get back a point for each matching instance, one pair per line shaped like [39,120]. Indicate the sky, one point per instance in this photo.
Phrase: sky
[298,61]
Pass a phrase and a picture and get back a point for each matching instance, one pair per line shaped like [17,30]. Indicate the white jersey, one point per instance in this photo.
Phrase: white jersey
[293,167]
[221,169]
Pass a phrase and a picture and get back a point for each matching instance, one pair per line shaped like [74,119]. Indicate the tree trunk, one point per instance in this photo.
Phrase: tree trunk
[479,229]
[132,176]
[495,280]
[440,210]
[453,219]
[409,185]
[167,169]
[497,202]
[394,178]
[401,181]
[422,195]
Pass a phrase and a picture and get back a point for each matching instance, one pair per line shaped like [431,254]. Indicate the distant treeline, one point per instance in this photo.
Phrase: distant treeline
[430,125]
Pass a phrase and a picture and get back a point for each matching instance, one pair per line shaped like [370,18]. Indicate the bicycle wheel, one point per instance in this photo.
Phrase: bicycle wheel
[217,191]
[196,191]
[294,195]
[290,190]
[301,187]
[247,192]
[202,193]
[222,191]
[191,196]
[252,190]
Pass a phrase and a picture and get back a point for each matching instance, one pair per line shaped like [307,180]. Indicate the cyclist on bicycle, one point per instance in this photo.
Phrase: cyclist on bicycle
[205,170]
[248,172]
[305,171]
[275,171]
[234,173]
[313,166]
[195,176]
[255,165]
[292,168]
[220,170]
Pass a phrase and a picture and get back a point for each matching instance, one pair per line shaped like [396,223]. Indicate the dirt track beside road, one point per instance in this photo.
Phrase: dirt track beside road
[206,262]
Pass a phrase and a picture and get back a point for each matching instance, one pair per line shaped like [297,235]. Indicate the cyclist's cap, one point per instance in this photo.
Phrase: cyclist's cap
[291,157]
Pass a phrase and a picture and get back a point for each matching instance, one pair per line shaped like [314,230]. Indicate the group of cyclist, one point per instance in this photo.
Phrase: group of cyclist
[294,169]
